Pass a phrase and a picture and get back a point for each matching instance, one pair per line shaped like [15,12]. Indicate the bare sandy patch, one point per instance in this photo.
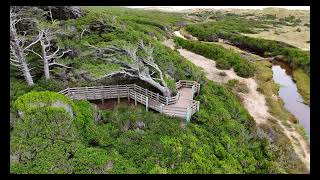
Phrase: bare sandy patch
[169,43]
[253,101]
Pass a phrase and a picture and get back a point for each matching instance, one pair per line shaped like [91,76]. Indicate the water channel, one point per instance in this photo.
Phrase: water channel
[288,92]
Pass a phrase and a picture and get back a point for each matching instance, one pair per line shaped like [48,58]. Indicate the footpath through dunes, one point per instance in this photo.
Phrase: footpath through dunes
[253,101]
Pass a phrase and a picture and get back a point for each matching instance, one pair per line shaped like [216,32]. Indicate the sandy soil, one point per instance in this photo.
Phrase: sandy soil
[169,43]
[177,33]
[253,101]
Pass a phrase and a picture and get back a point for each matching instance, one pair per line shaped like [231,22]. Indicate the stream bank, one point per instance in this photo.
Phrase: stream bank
[288,92]
[256,104]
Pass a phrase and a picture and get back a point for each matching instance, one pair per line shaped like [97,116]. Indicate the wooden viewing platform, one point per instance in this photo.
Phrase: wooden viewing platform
[182,105]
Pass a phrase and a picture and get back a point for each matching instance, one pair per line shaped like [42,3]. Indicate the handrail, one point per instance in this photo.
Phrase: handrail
[144,96]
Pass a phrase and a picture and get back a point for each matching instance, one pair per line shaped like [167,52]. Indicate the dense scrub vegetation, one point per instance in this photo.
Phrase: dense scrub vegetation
[45,138]
[225,59]
[231,29]
[126,31]
[221,139]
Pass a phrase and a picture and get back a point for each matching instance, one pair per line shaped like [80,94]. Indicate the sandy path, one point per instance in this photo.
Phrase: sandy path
[253,101]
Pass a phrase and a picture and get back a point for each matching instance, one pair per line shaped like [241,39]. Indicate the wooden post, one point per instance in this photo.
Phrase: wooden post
[141,98]
[69,94]
[68,91]
[101,93]
[158,96]
[85,92]
[198,105]
[192,89]
[167,99]
[188,115]
[161,108]
[128,94]
[118,94]
[147,103]
[198,89]
[135,98]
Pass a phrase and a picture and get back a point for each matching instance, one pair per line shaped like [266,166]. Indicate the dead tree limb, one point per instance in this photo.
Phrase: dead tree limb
[139,67]
[17,45]
[49,58]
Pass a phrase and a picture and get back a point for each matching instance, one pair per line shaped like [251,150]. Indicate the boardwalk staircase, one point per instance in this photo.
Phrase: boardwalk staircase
[181,105]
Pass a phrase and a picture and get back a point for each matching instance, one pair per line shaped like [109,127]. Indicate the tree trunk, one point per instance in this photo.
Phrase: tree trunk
[164,90]
[18,51]
[50,13]
[45,61]
[46,68]
[26,71]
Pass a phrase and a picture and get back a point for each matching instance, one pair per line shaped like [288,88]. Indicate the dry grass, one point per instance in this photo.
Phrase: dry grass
[288,35]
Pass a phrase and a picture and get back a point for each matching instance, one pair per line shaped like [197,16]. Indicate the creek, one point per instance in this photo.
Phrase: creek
[288,92]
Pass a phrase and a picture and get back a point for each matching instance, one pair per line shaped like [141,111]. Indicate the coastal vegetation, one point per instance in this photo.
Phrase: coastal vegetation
[50,133]
[232,30]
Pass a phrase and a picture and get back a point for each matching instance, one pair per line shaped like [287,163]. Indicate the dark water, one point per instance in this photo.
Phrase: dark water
[288,92]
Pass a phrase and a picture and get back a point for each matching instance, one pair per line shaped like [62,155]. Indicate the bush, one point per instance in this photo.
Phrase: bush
[232,82]
[222,74]
[33,99]
[230,30]
[224,58]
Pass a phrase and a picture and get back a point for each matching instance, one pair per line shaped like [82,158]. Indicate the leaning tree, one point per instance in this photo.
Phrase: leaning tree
[21,41]
[142,67]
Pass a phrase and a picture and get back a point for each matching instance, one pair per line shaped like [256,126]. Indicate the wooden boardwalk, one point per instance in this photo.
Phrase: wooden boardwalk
[181,105]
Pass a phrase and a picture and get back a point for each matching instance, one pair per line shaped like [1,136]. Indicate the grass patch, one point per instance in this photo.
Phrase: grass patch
[225,58]
[270,89]
[302,131]
[303,84]
[237,86]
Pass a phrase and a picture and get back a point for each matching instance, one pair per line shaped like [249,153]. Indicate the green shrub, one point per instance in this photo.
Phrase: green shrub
[232,82]
[231,29]
[222,74]
[224,58]
[33,99]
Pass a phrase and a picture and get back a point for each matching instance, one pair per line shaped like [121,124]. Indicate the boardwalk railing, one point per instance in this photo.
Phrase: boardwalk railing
[191,84]
[144,96]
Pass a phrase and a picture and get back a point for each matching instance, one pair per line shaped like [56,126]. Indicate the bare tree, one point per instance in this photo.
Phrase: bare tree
[18,45]
[143,68]
[50,13]
[48,57]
